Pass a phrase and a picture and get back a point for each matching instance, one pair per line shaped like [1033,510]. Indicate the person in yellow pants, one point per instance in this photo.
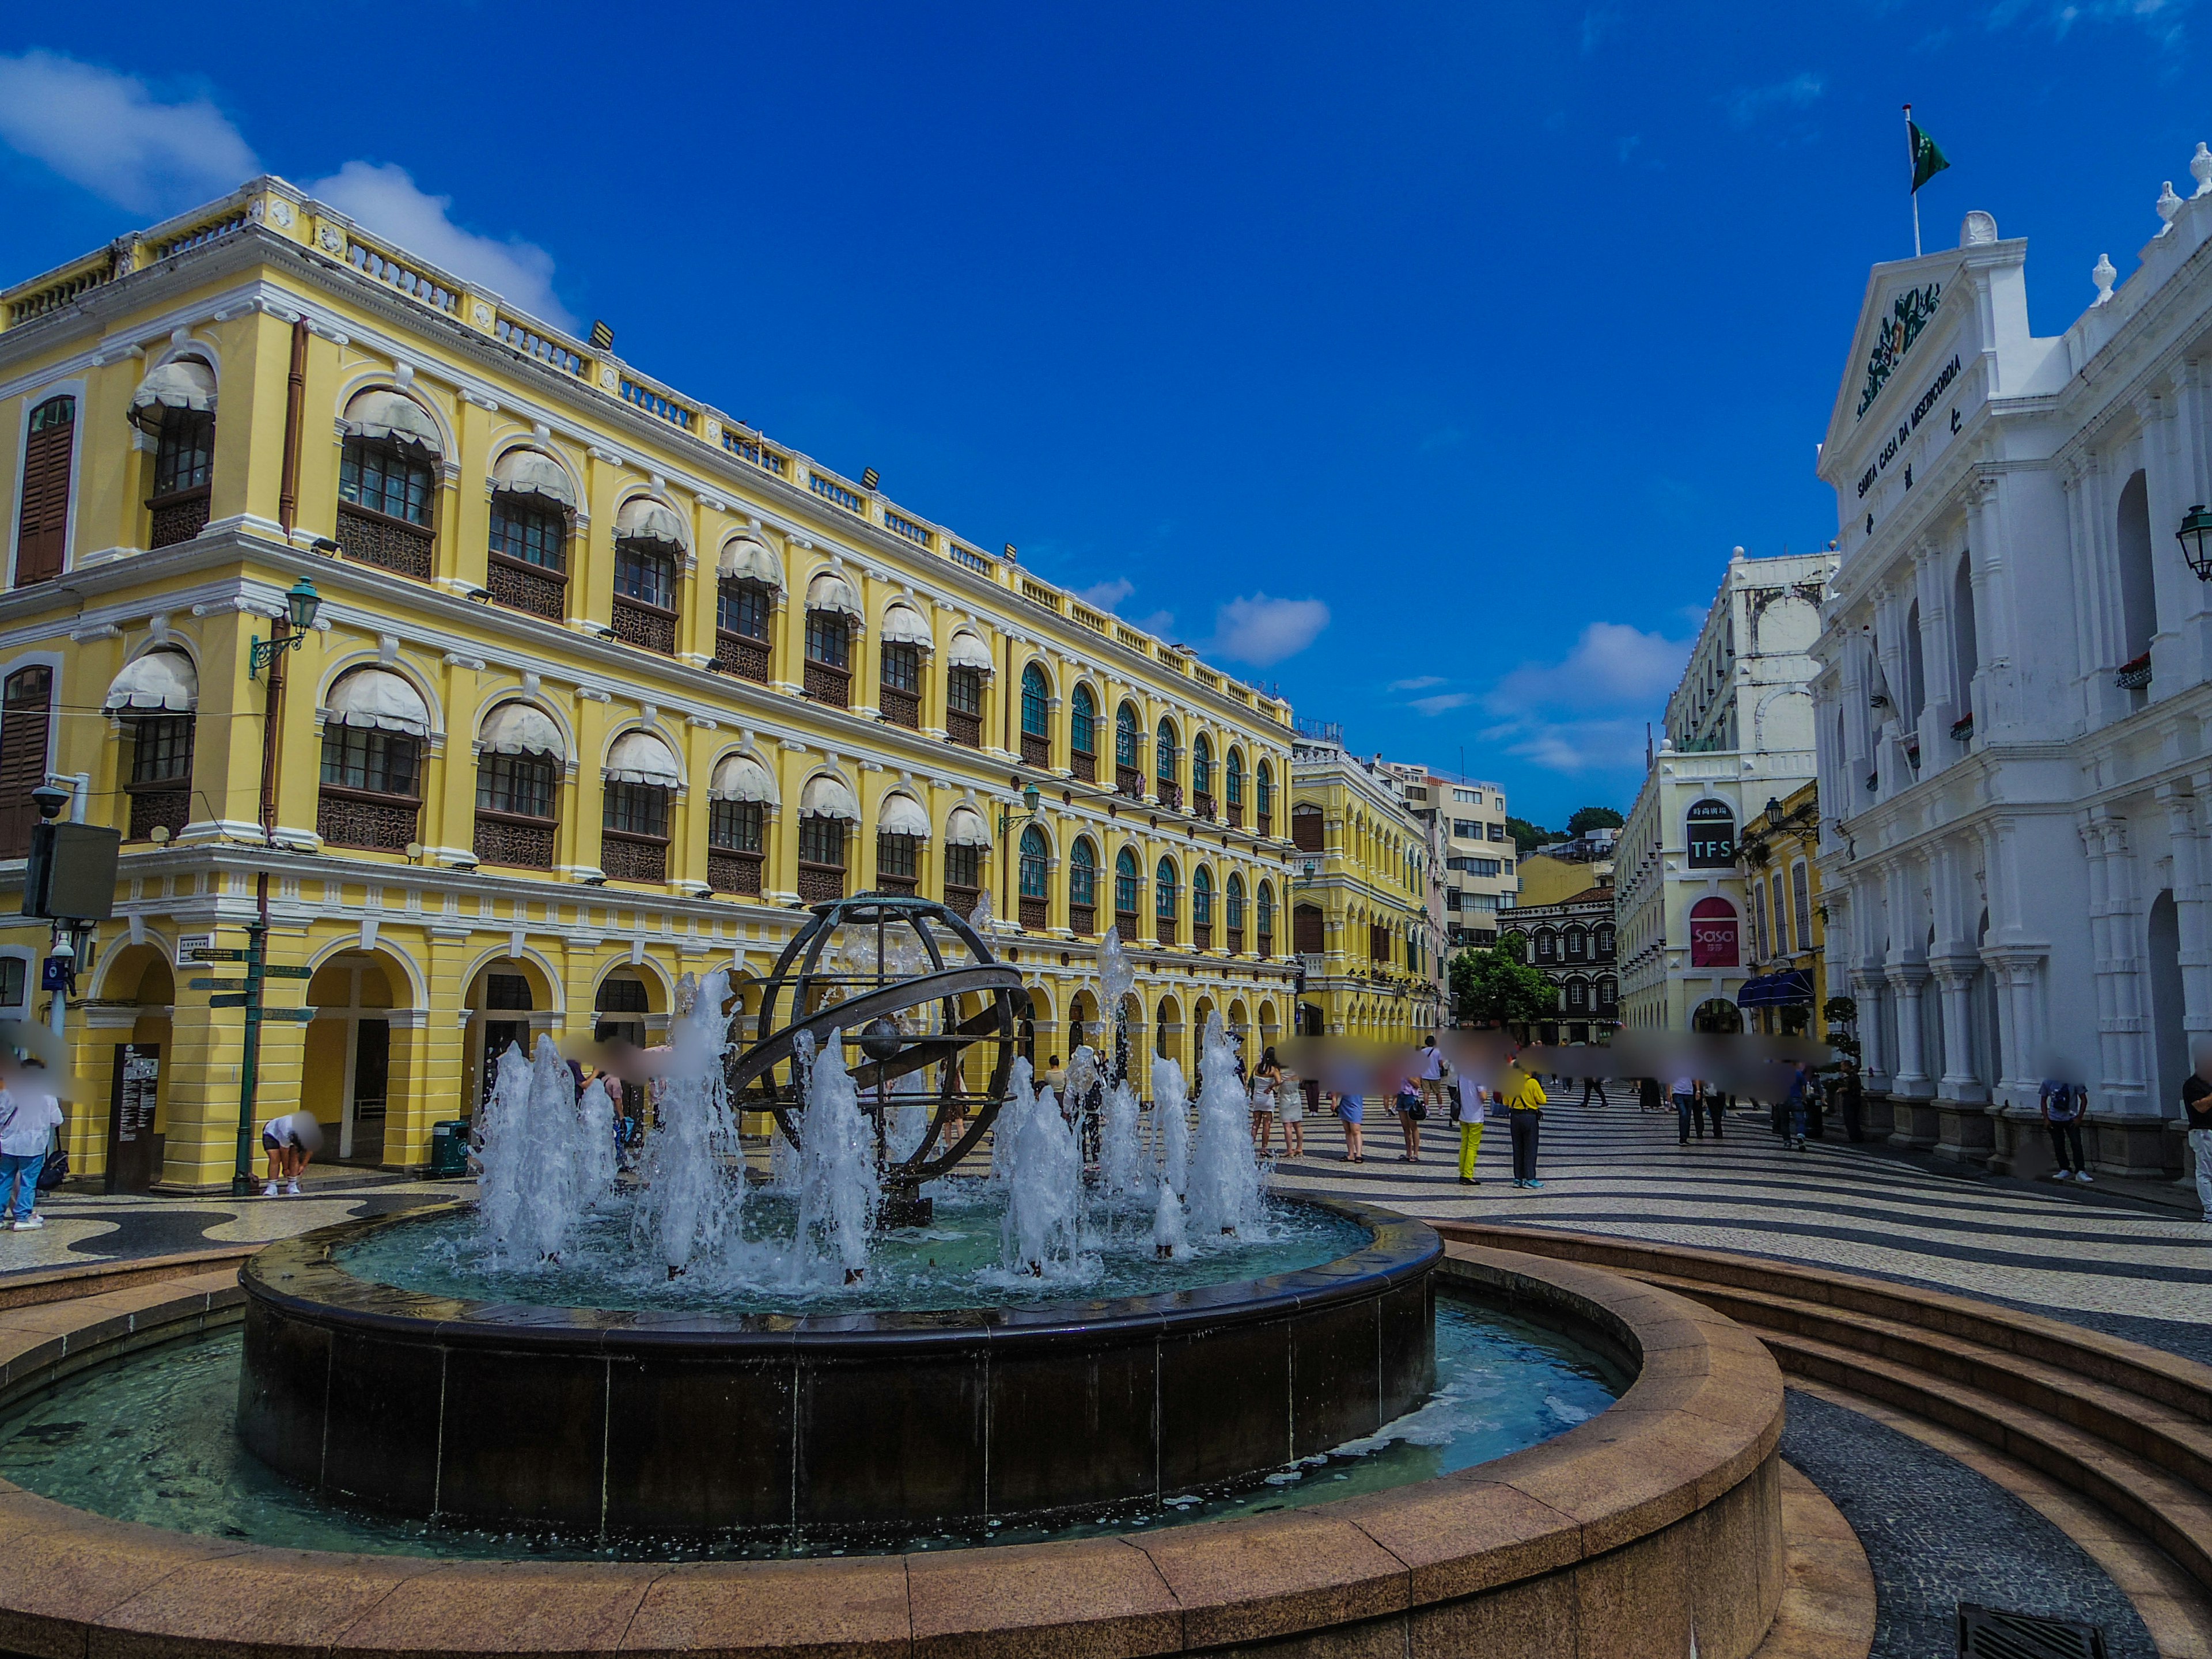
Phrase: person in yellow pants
[1467,1105]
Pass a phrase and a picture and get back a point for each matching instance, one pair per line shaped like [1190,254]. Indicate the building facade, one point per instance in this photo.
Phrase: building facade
[2014,695]
[604,687]
[1571,942]
[1739,728]
[1475,862]
[1564,868]
[1786,947]
[1361,896]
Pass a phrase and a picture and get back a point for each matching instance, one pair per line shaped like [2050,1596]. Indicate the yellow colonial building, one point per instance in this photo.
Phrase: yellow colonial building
[601,687]
[1359,913]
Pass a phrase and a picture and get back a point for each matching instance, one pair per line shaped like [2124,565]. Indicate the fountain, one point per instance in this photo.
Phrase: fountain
[836,1356]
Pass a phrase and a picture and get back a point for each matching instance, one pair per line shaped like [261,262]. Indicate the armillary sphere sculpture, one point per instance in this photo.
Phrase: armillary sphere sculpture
[890,968]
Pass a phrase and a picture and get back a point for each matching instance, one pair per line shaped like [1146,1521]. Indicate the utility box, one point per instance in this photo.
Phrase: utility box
[72,873]
[449,1149]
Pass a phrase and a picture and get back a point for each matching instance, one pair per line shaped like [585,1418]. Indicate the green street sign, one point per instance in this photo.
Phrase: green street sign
[275,972]
[206,954]
[237,1001]
[215,985]
[297,1015]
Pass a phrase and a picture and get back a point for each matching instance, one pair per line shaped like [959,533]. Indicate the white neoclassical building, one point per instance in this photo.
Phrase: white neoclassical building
[1739,733]
[2015,722]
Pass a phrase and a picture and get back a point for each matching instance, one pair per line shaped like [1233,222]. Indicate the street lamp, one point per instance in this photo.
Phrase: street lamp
[2195,533]
[301,603]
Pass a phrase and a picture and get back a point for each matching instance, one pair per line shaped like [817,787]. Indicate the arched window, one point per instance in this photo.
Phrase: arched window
[1547,945]
[1966,646]
[826,807]
[747,582]
[154,700]
[1603,940]
[527,564]
[640,783]
[1577,944]
[1083,888]
[1713,934]
[1263,798]
[2138,583]
[1307,828]
[519,757]
[42,523]
[1232,904]
[1263,918]
[902,827]
[1201,907]
[1165,906]
[1577,996]
[388,483]
[737,825]
[1201,775]
[1608,992]
[1163,766]
[1128,779]
[1083,734]
[174,405]
[966,835]
[1916,677]
[1308,930]
[1128,885]
[26,718]
[374,726]
[1036,861]
[1233,786]
[968,664]
[1036,718]
[650,542]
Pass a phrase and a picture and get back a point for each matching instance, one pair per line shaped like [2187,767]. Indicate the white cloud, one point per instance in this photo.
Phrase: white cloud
[1107,594]
[1586,712]
[1161,622]
[108,133]
[1443,703]
[1597,22]
[1418,683]
[1746,104]
[1261,630]
[387,201]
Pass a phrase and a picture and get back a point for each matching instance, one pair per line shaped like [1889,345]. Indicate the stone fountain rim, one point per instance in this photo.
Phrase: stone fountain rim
[298,1277]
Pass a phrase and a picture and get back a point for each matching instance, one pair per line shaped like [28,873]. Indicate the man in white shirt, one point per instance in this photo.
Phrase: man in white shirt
[28,1117]
[1430,1071]
[1468,1113]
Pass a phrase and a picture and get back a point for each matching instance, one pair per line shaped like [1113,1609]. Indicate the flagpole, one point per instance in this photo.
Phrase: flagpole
[1915,191]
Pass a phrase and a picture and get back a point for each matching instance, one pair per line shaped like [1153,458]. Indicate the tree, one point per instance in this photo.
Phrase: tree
[1492,987]
[1526,835]
[1595,817]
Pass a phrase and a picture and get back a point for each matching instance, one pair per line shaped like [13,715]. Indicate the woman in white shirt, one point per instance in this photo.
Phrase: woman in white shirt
[28,1118]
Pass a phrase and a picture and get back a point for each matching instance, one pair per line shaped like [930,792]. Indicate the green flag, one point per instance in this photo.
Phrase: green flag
[1927,160]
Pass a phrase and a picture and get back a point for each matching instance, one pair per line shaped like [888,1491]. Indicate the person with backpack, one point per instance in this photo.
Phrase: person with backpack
[28,1117]
[2064,1105]
[1411,1105]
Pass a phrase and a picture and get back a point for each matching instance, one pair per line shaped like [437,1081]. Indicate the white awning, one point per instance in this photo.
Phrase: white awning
[379,699]
[740,777]
[831,592]
[968,652]
[380,414]
[902,814]
[516,728]
[746,560]
[966,827]
[904,625]
[533,472]
[828,798]
[644,520]
[163,680]
[186,383]
[642,757]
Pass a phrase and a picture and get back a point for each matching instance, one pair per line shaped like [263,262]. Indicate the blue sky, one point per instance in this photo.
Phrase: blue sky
[1426,361]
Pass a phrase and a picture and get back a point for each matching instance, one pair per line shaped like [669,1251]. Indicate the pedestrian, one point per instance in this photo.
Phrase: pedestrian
[1648,1095]
[2063,1105]
[1524,1104]
[1056,1079]
[28,1117]
[1467,1110]
[1430,1072]
[1411,1107]
[1593,1085]
[289,1140]
[1850,1101]
[1800,1086]
[1714,1099]
[1685,1093]
[1350,1109]
[1267,1077]
[2196,1105]
[1291,1107]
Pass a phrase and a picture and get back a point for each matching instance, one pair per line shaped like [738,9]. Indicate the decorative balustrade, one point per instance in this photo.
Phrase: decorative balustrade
[625,857]
[962,901]
[1033,916]
[748,447]
[521,337]
[963,728]
[1082,767]
[1037,593]
[1090,619]
[899,524]
[836,494]
[375,823]
[648,626]
[1036,750]
[968,556]
[732,871]
[510,839]
[657,403]
[1131,638]
[1266,945]
[901,708]
[382,267]
[521,585]
[1164,929]
[1083,919]
[200,235]
[178,518]
[1202,935]
[386,543]
[744,659]
[1236,941]
[2134,676]
[62,288]
[824,685]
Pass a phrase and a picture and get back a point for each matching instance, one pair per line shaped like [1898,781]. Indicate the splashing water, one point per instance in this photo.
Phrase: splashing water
[1124,1171]
[1043,1230]
[1171,1124]
[1224,1193]
[546,1160]
[1170,1238]
[691,1197]
[840,1188]
[599,1160]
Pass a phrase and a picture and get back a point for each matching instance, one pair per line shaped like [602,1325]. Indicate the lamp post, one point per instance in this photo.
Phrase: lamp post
[2196,538]
[287,633]
[1031,812]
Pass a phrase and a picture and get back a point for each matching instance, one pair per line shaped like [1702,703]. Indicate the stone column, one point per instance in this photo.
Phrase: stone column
[1911,1088]
[1965,1130]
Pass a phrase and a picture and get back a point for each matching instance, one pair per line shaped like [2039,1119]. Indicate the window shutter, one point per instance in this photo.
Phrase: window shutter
[23,727]
[42,531]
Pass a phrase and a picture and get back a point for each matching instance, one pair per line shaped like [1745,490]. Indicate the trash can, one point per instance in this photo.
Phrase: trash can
[449,1149]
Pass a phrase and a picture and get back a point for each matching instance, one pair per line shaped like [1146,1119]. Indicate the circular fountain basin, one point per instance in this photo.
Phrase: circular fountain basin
[671,1421]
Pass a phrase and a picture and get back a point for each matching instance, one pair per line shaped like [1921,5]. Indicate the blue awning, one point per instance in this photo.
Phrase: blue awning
[1785,989]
